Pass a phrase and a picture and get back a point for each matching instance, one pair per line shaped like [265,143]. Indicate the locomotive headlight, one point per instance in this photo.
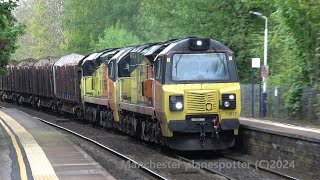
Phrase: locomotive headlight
[179,105]
[176,102]
[231,97]
[173,98]
[199,44]
[226,104]
[229,101]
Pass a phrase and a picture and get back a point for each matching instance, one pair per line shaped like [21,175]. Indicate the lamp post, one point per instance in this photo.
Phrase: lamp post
[265,61]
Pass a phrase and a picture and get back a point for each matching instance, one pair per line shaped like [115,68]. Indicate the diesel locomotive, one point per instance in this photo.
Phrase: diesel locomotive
[183,93]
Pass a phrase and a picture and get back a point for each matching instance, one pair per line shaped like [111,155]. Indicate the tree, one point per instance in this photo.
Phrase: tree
[24,13]
[9,31]
[45,28]
[85,21]
[294,40]
[115,36]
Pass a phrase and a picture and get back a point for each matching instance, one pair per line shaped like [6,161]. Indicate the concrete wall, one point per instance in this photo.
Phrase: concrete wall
[266,146]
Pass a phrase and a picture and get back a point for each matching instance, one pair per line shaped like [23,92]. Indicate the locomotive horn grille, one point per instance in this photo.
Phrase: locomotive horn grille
[201,101]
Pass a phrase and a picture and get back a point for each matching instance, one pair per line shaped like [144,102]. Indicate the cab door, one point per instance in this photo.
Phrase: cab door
[112,67]
[158,92]
[111,80]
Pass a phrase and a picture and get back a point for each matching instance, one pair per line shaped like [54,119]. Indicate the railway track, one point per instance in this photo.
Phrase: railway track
[203,168]
[261,168]
[232,173]
[122,156]
[252,172]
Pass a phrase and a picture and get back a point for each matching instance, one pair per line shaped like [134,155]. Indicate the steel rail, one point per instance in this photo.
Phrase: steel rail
[236,159]
[203,168]
[142,167]
[261,168]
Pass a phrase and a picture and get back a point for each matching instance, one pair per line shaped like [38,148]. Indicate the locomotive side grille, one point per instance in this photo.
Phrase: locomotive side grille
[201,102]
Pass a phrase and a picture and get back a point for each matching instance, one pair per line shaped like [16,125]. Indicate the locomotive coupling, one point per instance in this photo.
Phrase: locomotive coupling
[202,132]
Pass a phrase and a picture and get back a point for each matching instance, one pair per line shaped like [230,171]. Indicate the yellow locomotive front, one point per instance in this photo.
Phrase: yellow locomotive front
[197,95]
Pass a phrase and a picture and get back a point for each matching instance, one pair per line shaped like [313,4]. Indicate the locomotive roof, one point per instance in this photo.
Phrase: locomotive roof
[106,56]
[69,60]
[141,48]
[46,61]
[183,44]
[122,53]
[26,62]
[113,51]
[92,56]
[89,57]
[153,51]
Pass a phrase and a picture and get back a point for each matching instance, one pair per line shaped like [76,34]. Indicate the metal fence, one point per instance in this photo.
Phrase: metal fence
[276,103]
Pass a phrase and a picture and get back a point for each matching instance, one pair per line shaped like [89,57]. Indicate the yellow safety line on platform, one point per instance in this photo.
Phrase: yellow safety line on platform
[22,166]
[40,166]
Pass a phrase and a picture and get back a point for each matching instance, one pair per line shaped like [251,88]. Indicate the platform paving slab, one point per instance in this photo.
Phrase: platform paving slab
[5,160]
[67,160]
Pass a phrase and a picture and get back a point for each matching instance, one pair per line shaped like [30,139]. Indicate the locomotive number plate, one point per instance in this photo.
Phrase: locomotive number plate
[198,119]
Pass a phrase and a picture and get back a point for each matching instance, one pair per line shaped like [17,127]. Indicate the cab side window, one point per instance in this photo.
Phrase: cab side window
[111,70]
[158,66]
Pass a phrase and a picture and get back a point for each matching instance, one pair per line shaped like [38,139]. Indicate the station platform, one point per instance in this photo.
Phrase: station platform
[282,129]
[30,149]
[272,144]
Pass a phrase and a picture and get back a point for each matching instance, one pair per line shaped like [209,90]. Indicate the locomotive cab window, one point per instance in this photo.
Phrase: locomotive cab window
[124,67]
[199,67]
[88,68]
[111,70]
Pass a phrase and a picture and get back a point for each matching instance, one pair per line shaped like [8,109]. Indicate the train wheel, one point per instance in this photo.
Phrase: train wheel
[38,105]
[110,120]
[102,121]
[88,115]
[145,135]
[14,98]
[96,116]
[151,131]
[79,113]
[20,100]
[131,126]
[93,114]
[133,131]
[59,109]
[54,108]
[155,131]
[138,129]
